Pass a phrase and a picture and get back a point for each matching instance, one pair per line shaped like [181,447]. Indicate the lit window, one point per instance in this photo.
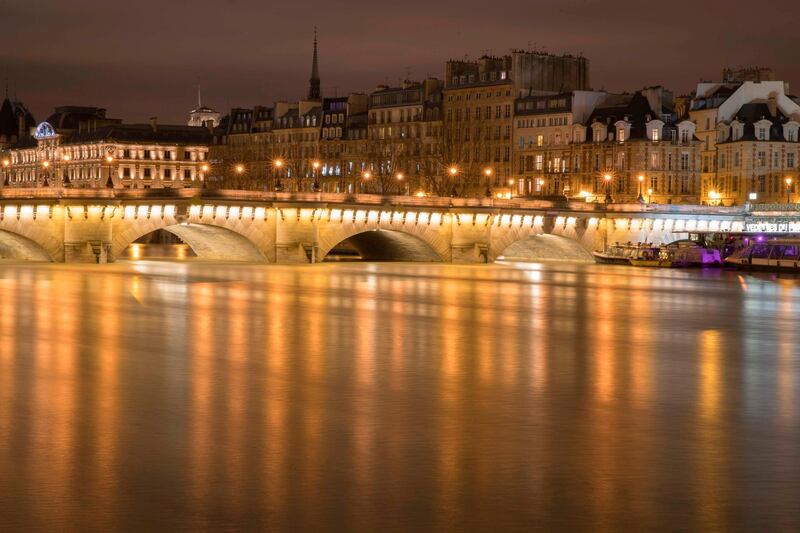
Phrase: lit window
[656,134]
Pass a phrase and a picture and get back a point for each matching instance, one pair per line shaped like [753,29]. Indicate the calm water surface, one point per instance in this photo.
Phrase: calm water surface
[386,397]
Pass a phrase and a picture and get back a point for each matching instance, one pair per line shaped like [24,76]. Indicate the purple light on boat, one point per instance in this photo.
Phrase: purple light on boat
[760,238]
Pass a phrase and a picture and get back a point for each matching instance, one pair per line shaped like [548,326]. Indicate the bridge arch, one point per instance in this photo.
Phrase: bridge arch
[207,241]
[545,247]
[15,246]
[379,244]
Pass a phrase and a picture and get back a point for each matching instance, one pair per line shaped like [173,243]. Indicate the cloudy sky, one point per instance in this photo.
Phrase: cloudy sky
[145,58]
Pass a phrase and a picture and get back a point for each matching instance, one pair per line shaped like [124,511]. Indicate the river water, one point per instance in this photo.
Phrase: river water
[163,396]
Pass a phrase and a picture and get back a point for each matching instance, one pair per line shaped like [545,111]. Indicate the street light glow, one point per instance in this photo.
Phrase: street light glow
[607,177]
[367,175]
[278,163]
[488,171]
[46,164]
[641,178]
[109,158]
[400,176]
[204,168]
[453,170]
[315,164]
[239,168]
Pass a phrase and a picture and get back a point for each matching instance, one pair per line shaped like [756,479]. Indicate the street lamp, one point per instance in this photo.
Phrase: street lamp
[788,190]
[540,183]
[45,166]
[641,182]
[488,173]
[203,170]
[278,165]
[315,185]
[609,199]
[110,182]
[649,196]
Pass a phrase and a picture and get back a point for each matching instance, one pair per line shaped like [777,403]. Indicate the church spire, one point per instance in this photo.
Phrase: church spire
[313,86]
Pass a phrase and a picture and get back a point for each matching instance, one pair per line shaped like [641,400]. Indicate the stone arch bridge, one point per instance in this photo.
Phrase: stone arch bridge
[82,225]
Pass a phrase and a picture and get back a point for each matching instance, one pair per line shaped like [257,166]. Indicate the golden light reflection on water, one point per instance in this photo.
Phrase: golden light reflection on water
[395,397]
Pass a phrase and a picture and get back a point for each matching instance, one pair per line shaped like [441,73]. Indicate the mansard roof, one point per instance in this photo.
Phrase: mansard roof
[142,133]
[752,113]
[635,110]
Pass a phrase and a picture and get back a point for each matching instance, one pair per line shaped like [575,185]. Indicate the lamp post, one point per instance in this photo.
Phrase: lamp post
[453,171]
[315,186]
[488,173]
[110,182]
[609,199]
[540,183]
[649,196]
[45,167]
[640,199]
[278,165]
[399,177]
[366,176]
[65,171]
[203,170]
[788,190]
[6,164]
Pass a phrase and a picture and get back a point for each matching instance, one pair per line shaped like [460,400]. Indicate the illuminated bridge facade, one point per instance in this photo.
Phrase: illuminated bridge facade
[76,225]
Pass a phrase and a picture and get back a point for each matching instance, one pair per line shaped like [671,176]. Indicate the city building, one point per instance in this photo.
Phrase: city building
[598,146]
[203,115]
[405,127]
[748,146]
[98,152]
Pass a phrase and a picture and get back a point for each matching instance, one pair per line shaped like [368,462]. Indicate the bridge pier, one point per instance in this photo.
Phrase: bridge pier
[88,233]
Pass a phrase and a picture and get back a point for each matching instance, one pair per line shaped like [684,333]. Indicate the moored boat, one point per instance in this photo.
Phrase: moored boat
[616,254]
[777,255]
[686,253]
[652,256]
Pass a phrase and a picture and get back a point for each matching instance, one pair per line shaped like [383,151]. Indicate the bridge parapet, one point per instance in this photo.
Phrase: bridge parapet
[97,224]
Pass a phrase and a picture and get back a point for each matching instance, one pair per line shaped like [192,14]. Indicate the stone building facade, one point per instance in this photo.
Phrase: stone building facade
[749,144]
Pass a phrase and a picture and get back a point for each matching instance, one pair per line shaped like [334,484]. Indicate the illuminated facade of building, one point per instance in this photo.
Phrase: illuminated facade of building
[588,145]
[112,155]
[749,141]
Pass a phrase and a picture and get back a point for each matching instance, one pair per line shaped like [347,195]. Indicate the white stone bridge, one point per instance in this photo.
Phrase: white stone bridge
[84,225]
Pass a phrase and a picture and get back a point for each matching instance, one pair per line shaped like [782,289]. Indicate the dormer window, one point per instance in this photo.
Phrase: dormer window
[621,134]
[762,134]
[655,134]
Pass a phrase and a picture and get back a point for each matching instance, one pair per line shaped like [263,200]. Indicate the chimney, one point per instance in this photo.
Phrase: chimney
[154,124]
[772,104]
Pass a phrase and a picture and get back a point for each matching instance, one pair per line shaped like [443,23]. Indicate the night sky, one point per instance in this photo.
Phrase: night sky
[145,58]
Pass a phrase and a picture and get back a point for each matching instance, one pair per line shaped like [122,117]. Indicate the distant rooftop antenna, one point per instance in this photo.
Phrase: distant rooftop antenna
[199,97]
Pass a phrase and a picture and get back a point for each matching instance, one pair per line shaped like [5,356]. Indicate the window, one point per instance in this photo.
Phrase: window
[167,173]
[168,155]
[126,172]
[126,154]
[621,135]
[684,161]
[146,173]
[187,173]
[736,159]
[539,140]
[762,160]
[539,162]
[656,134]
[789,160]
[147,154]
[187,156]
[762,134]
